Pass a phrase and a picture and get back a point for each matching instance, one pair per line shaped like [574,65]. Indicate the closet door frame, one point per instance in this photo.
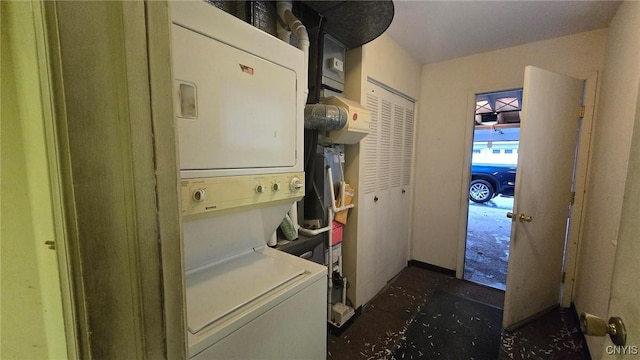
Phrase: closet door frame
[403,108]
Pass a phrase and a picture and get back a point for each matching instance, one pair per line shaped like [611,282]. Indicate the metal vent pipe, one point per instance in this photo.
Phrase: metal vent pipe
[324,117]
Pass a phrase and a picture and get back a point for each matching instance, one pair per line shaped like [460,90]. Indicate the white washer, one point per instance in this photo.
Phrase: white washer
[244,299]
[263,305]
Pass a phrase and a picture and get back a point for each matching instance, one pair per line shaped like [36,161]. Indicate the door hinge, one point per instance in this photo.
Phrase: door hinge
[581,112]
[573,197]
[564,275]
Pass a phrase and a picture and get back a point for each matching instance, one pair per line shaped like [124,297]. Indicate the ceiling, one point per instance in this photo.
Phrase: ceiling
[434,31]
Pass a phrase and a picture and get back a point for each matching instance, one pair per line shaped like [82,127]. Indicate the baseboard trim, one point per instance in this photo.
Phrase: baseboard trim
[433,268]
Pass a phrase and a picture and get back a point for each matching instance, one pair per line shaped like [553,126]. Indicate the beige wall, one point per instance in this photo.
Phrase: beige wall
[444,129]
[625,291]
[32,325]
[609,164]
[385,61]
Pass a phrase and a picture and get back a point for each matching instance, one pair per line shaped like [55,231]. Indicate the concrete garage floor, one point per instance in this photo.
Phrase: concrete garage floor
[488,234]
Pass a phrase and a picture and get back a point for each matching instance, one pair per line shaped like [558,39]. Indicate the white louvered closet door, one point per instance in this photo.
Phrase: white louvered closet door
[398,211]
[382,223]
[367,283]
[386,155]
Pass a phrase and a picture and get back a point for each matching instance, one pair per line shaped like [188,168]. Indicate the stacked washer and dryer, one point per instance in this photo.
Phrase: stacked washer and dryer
[240,97]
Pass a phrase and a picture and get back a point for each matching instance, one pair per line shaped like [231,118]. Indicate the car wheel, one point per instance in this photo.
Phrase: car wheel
[480,191]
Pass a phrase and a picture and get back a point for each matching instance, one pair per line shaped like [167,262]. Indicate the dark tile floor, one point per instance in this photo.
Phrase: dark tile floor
[554,336]
[382,324]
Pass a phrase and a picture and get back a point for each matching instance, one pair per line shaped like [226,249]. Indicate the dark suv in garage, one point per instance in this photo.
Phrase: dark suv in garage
[490,180]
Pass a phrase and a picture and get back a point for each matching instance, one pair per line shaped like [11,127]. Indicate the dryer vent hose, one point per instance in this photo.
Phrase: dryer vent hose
[324,117]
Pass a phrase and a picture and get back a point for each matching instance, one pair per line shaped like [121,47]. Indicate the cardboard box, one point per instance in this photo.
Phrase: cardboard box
[349,192]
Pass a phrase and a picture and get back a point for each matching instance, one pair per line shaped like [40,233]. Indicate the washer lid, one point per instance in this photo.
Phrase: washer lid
[219,290]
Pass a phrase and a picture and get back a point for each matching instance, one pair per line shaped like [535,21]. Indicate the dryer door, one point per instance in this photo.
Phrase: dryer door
[235,110]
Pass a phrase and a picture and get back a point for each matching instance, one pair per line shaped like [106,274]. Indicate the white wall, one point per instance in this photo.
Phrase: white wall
[444,129]
[609,164]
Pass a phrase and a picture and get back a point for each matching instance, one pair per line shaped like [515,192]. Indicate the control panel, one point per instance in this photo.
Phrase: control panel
[202,195]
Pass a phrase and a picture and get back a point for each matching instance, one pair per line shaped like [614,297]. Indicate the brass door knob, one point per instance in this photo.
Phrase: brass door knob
[524,217]
[594,326]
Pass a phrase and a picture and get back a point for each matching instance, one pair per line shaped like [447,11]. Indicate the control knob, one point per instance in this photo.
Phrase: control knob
[259,189]
[199,195]
[296,184]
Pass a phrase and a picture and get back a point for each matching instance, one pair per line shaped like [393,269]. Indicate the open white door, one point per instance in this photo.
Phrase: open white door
[548,133]
[625,291]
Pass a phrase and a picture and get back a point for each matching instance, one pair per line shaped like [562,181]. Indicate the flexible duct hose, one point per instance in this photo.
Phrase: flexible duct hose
[324,117]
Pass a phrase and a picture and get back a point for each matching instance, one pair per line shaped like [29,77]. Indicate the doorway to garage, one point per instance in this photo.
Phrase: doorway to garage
[494,161]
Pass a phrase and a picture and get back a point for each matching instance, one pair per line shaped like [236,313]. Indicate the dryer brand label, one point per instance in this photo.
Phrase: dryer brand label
[247,69]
